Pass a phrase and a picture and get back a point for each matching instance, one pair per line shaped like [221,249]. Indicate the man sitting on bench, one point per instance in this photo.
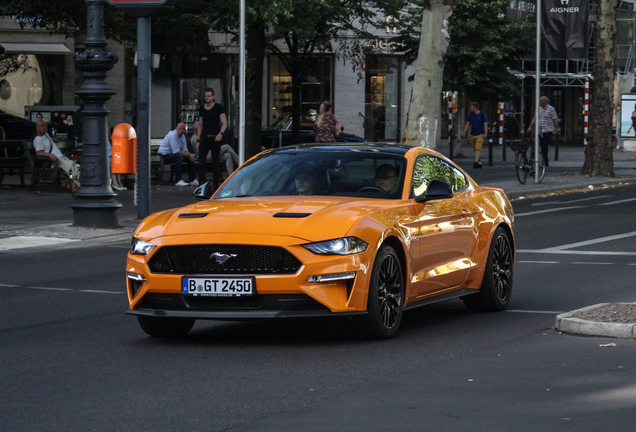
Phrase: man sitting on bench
[44,146]
[174,150]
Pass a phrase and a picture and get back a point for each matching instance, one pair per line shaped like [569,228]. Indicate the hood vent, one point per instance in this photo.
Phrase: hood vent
[192,215]
[291,215]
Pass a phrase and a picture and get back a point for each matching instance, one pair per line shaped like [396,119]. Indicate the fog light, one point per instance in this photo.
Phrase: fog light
[134,283]
[331,277]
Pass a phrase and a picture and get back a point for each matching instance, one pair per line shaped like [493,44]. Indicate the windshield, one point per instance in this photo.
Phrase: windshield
[319,172]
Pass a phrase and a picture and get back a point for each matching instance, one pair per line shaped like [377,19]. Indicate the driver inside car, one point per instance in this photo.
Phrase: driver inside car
[305,183]
[386,178]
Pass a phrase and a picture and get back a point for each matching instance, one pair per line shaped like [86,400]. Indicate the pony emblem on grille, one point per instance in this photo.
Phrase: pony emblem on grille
[221,258]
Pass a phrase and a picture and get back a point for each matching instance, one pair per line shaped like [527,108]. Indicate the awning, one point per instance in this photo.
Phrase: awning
[34,48]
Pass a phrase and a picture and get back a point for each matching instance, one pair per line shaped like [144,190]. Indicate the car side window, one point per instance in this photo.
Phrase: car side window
[428,168]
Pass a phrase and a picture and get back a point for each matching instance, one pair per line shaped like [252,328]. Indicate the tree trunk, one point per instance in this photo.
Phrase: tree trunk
[424,121]
[599,158]
[254,89]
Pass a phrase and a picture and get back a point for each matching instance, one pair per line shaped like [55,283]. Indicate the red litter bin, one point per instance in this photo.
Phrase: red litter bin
[124,149]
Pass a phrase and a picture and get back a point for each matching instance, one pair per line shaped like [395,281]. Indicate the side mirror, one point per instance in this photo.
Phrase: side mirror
[203,192]
[436,189]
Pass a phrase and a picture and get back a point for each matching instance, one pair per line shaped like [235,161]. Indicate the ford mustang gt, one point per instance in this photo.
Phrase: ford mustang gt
[365,231]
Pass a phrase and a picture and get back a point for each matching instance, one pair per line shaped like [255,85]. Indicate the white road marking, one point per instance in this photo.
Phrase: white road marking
[20,242]
[102,292]
[593,241]
[573,201]
[618,202]
[539,262]
[592,263]
[535,312]
[571,252]
[50,289]
[548,211]
[63,289]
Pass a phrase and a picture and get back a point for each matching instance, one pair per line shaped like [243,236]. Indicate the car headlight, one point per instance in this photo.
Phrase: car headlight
[140,247]
[340,246]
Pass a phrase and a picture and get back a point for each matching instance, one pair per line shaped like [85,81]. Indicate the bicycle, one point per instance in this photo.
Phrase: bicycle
[524,164]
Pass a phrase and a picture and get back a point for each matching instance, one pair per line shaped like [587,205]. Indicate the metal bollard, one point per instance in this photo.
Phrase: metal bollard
[450,143]
[490,151]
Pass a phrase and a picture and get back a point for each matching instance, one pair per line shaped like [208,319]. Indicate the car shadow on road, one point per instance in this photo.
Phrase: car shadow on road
[416,323]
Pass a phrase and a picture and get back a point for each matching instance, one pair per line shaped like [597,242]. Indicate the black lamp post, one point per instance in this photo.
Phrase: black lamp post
[96,205]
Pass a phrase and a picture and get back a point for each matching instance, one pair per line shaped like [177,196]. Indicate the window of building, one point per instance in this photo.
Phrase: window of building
[30,80]
[315,87]
[382,86]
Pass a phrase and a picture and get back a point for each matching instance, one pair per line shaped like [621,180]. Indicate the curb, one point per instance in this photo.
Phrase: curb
[568,323]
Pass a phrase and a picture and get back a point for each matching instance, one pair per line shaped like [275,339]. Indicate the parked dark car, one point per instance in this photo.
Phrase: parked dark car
[281,129]
[13,127]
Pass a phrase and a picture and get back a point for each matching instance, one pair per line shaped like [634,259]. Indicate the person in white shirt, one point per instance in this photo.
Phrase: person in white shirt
[44,146]
[174,150]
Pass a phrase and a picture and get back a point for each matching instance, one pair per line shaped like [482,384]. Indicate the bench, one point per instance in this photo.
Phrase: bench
[13,157]
[42,167]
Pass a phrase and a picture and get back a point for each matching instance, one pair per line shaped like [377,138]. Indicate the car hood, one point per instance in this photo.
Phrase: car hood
[307,218]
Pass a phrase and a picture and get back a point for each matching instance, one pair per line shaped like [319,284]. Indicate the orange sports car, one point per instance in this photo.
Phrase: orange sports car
[323,230]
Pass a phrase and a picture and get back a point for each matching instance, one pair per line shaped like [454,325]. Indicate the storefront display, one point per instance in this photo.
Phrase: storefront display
[191,99]
[381,99]
[61,120]
[316,81]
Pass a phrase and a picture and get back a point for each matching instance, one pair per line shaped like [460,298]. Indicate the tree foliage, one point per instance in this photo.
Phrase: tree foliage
[290,29]
[484,44]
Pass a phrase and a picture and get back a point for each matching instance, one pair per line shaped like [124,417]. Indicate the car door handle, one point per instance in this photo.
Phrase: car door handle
[465,213]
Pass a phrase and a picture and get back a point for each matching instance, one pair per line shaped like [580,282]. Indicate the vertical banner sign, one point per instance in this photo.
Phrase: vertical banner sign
[565,25]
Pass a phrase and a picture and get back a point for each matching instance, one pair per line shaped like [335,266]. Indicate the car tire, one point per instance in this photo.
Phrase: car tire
[386,297]
[165,327]
[496,288]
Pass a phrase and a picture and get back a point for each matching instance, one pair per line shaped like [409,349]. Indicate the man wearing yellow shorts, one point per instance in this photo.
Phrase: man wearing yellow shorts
[478,123]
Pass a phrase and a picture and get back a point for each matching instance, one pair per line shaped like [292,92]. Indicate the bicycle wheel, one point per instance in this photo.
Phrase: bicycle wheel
[541,168]
[74,178]
[521,161]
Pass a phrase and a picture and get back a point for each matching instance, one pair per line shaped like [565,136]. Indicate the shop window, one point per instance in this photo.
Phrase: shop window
[191,92]
[381,99]
[316,82]
[30,80]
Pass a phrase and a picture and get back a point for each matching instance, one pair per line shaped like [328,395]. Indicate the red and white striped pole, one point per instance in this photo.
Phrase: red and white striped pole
[450,118]
[586,110]
[501,123]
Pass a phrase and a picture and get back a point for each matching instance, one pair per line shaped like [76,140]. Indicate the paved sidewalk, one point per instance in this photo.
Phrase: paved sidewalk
[45,218]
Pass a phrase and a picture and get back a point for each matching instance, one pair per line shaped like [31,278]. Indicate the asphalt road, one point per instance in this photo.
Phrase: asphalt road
[70,359]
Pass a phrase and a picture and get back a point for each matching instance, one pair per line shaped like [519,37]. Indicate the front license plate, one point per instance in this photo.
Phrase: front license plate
[217,287]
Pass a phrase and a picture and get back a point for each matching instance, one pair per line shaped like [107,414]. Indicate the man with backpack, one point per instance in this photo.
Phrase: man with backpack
[478,123]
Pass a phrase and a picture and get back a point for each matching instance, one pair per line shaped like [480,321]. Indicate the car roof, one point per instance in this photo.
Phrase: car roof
[393,148]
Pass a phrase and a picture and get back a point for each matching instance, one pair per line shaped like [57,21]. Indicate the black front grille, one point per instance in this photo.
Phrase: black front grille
[238,259]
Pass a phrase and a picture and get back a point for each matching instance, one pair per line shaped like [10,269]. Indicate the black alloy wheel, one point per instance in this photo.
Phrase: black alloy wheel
[496,288]
[386,297]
